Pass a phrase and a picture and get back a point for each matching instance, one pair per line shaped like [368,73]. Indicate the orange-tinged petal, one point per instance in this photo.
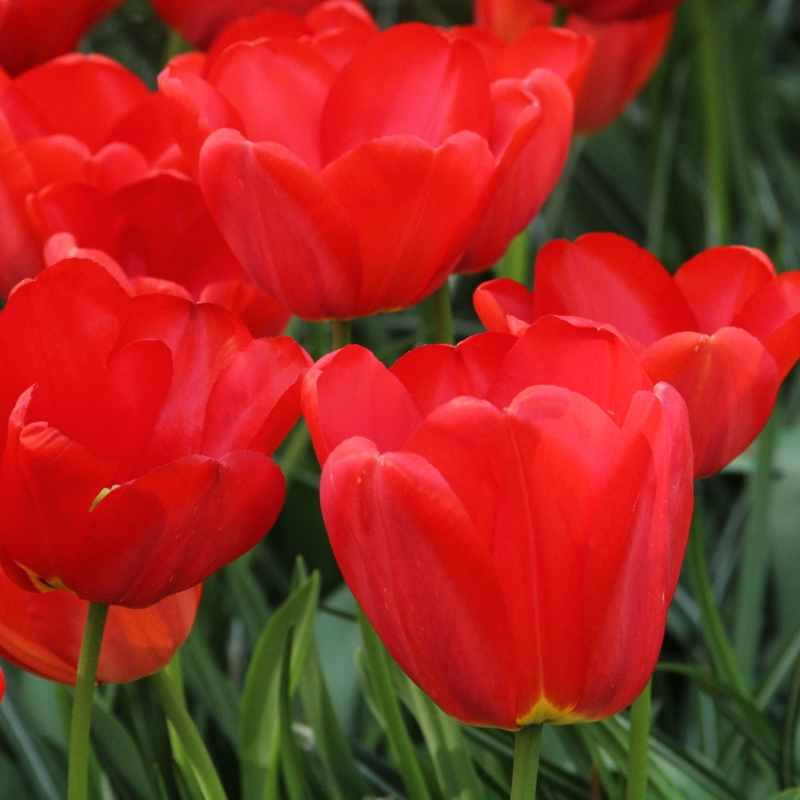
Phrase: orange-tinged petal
[504,306]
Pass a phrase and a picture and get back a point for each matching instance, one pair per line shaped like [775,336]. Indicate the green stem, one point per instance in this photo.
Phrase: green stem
[399,741]
[341,333]
[638,748]
[78,778]
[560,16]
[716,157]
[442,315]
[170,699]
[516,261]
[527,746]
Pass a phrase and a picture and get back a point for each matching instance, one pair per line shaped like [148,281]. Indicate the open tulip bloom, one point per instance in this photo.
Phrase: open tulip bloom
[349,191]
[511,514]
[724,331]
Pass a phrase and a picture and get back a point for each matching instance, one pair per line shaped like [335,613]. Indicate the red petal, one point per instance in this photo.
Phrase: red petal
[278,86]
[610,279]
[382,410]
[414,210]
[146,127]
[394,525]
[576,354]
[772,314]
[175,526]
[635,552]
[261,313]
[729,382]
[605,10]
[504,305]
[436,374]
[626,55]
[412,81]
[531,478]
[718,282]
[258,391]
[283,224]
[77,95]
[509,18]
[530,166]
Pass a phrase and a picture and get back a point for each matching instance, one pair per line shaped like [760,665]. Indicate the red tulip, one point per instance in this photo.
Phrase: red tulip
[201,20]
[139,432]
[351,192]
[41,633]
[33,31]
[107,174]
[511,514]
[724,331]
[626,53]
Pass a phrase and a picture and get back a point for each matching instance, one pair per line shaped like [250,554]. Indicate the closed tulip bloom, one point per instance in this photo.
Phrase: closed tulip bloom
[33,31]
[626,52]
[139,433]
[511,514]
[724,331]
[349,191]
[41,633]
[607,10]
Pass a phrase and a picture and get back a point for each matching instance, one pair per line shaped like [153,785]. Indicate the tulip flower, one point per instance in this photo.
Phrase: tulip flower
[86,151]
[626,52]
[348,192]
[33,31]
[41,633]
[510,514]
[201,20]
[724,331]
[139,430]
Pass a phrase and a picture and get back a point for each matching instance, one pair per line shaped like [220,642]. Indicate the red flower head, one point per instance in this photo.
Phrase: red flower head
[108,175]
[41,633]
[511,514]
[33,31]
[724,331]
[607,10]
[351,191]
[625,56]
[139,431]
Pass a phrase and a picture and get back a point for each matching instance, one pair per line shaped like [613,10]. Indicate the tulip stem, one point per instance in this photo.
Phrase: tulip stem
[170,699]
[527,746]
[560,16]
[638,748]
[443,315]
[341,333]
[78,776]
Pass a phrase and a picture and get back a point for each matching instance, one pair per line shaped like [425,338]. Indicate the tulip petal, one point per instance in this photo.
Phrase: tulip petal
[729,382]
[258,390]
[436,374]
[414,210]
[261,313]
[411,80]
[279,87]
[504,306]
[283,224]
[718,282]
[394,525]
[501,466]
[611,279]
[175,526]
[588,358]
[77,95]
[382,409]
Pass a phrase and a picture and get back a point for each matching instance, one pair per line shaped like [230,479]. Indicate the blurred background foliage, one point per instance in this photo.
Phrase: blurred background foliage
[290,700]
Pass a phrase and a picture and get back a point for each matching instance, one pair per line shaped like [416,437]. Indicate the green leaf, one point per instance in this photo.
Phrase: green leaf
[738,708]
[259,739]
[119,754]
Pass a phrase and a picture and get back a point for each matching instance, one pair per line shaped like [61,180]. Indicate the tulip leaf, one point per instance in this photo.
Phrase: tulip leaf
[377,661]
[331,744]
[119,754]
[259,738]
[740,710]
[788,794]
